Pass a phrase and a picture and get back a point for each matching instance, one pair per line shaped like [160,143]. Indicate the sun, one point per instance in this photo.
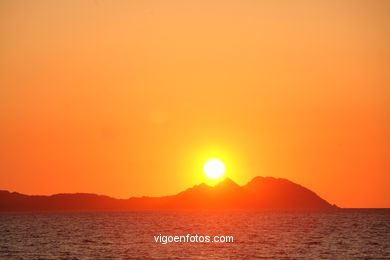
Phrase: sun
[214,168]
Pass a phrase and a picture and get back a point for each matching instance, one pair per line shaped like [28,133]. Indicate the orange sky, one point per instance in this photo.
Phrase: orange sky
[129,98]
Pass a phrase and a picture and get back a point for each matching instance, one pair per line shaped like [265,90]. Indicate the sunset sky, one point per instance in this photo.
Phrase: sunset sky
[130,98]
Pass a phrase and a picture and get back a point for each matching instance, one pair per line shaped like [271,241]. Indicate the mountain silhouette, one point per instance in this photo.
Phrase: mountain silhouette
[259,193]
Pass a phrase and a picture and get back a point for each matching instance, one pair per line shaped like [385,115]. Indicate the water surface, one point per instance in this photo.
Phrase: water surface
[345,234]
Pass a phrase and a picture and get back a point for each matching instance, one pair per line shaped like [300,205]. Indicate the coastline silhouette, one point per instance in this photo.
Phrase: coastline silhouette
[259,193]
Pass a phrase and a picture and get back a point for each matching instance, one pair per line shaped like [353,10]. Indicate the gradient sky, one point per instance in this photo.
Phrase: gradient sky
[129,98]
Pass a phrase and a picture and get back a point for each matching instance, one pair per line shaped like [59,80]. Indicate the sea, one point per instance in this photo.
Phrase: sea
[342,234]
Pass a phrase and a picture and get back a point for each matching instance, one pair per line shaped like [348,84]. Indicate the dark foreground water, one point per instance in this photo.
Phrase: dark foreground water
[346,234]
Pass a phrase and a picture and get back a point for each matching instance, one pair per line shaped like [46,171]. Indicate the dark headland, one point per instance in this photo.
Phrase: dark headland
[259,193]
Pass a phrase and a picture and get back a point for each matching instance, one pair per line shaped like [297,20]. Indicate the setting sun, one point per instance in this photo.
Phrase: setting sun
[214,168]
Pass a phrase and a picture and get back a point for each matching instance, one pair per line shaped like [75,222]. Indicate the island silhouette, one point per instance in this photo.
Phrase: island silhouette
[259,193]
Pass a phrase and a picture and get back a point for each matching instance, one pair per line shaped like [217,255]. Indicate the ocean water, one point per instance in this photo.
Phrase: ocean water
[344,234]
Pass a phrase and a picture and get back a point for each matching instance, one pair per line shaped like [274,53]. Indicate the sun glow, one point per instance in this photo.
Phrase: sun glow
[214,168]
